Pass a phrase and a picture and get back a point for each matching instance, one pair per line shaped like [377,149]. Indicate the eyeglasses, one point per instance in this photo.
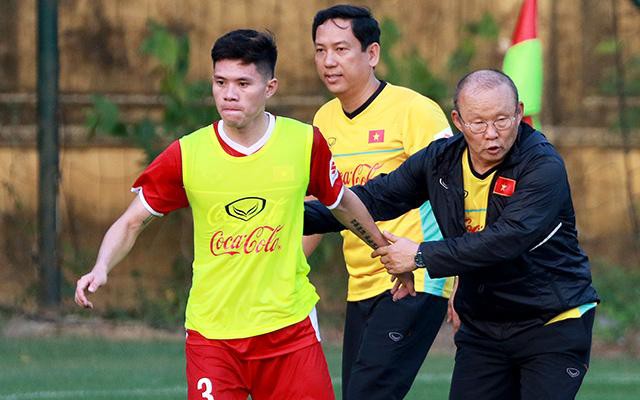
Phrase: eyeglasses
[499,124]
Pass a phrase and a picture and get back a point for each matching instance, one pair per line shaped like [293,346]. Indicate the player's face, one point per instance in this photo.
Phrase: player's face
[487,149]
[340,61]
[240,92]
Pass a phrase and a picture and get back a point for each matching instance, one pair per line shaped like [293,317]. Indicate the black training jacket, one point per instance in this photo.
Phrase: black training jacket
[525,265]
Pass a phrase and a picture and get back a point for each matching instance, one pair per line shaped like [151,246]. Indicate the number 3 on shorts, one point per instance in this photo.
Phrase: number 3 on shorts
[205,384]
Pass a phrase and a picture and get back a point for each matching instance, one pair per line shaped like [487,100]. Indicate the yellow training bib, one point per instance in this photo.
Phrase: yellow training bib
[249,271]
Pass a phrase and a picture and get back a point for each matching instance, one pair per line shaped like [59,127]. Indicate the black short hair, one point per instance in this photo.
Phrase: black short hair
[250,47]
[365,28]
[485,79]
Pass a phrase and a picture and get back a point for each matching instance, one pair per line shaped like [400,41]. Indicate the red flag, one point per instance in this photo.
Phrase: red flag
[526,28]
[376,136]
[504,186]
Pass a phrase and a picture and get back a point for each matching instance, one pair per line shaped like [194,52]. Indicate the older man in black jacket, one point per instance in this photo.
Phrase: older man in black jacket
[501,197]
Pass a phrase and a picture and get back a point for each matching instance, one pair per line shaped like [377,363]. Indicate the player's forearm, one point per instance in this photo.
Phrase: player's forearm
[310,243]
[117,242]
[353,214]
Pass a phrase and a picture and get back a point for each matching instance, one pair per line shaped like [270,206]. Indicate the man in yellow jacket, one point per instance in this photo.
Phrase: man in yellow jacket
[372,126]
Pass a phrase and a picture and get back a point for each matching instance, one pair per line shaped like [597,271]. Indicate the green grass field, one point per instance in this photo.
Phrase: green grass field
[69,368]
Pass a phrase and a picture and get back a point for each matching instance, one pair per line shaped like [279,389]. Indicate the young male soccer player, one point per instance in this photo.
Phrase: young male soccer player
[373,126]
[250,318]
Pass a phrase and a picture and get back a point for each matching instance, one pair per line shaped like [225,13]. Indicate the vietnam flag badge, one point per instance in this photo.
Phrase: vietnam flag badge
[376,136]
[504,186]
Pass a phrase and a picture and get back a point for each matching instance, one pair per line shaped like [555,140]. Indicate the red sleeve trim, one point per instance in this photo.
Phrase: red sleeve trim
[160,185]
[325,182]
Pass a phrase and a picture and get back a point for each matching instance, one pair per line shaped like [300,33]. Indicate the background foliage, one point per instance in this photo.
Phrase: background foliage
[185,106]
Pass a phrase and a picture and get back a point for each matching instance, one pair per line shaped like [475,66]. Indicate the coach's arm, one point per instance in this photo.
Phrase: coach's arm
[352,213]
[386,197]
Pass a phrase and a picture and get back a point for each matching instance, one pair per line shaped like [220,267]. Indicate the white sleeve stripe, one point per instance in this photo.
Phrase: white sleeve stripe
[553,232]
[445,133]
[338,200]
[146,205]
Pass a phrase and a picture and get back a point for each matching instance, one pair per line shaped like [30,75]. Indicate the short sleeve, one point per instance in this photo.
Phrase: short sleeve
[325,182]
[160,185]
[424,122]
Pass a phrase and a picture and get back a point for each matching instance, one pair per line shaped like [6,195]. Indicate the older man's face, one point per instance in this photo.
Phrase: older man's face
[475,106]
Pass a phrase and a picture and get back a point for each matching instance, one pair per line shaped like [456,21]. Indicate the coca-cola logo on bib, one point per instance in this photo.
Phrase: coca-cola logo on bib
[262,239]
[245,208]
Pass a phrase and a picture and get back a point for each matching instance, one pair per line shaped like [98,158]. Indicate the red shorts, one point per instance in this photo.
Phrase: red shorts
[287,364]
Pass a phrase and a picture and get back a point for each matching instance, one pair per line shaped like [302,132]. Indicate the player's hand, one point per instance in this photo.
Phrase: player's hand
[91,281]
[403,286]
[452,316]
[399,256]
